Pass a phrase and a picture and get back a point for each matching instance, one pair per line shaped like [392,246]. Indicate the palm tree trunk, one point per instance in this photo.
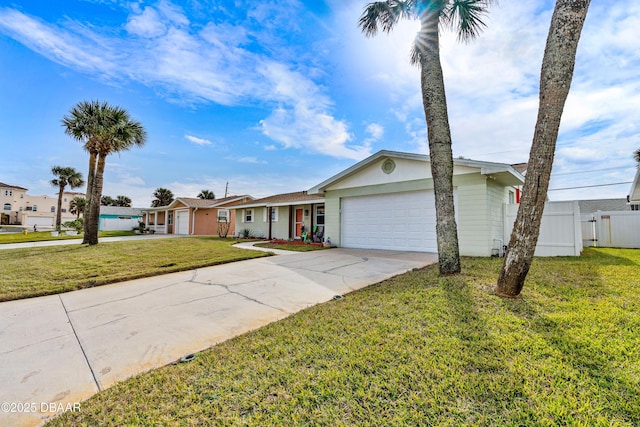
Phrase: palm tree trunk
[90,183]
[555,80]
[91,225]
[439,134]
[59,211]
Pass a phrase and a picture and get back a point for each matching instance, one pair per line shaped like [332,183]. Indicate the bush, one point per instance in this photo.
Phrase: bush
[245,233]
[76,224]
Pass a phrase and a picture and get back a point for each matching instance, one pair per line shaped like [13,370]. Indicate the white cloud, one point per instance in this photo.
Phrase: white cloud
[247,159]
[146,24]
[196,140]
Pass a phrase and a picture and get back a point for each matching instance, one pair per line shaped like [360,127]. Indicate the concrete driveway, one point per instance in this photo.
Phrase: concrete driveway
[58,350]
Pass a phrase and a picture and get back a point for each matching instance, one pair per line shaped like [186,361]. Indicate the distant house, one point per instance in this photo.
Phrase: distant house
[282,216]
[634,194]
[119,218]
[192,216]
[20,208]
[605,205]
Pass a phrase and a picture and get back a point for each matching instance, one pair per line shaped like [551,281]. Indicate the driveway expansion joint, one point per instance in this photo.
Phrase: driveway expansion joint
[93,374]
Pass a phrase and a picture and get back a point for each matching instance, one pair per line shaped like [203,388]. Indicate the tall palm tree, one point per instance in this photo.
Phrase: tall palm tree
[104,129]
[558,63]
[465,17]
[163,197]
[64,176]
[77,206]
[206,195]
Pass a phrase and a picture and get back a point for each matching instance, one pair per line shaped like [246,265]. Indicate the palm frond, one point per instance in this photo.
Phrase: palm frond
[386,15]
[466,17]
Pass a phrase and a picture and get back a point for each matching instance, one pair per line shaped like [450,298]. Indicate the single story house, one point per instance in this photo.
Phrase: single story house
[386,201]
[282,216]
[186,215]
[119,218]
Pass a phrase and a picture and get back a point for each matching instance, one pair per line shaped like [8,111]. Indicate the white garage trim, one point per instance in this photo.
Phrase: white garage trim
[394,221]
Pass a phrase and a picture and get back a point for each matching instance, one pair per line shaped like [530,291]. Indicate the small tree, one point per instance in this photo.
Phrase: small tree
[163,197]
[64,176]
[77,206]
[206,195]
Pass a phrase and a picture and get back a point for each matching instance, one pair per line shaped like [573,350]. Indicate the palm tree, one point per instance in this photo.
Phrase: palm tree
[64,176]
[558,63]
[107,201]
[123,201]
[206,195]
[77,206]
[636,156]
[465,17]
[104,129]
[163,197]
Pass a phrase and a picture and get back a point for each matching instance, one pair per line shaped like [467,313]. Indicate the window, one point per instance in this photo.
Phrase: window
[633,207]
[8,192]
[22,196]
[512,197]
[320,215]
[248,215]
[223,215]
[35,208]
[65,200]
[29,208]
[274,215]
[170,218]
[53,208]
[7,206]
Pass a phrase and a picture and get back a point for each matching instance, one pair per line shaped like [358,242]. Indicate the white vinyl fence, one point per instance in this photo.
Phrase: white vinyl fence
[560,230]
[614,229]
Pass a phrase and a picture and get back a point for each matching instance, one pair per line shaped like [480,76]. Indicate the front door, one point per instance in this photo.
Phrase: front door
[299,219]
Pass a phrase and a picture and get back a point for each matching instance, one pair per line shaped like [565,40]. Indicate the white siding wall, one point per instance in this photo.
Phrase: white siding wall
[473,230]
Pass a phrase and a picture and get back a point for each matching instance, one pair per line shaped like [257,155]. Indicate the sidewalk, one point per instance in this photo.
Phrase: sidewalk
[59,350]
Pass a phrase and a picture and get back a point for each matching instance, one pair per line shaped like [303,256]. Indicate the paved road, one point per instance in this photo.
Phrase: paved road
[59,350]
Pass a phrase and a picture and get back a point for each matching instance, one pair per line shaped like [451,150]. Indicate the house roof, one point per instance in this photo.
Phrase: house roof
[192,202]
[502,172]
[3,185]
[120,210]
[520,167]
[591,206]
[284,199]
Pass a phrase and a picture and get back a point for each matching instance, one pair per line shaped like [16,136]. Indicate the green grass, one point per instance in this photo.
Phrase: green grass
[37,271]
[292,247]
[40,236]
[418,349]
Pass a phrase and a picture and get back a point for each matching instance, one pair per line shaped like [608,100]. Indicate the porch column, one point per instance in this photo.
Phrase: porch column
[269,216]
[291,228]
[166,222]
[155,220]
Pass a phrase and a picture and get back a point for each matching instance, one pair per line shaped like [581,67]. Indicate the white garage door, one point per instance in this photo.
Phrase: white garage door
[397,221]
[182,222]
[40,221]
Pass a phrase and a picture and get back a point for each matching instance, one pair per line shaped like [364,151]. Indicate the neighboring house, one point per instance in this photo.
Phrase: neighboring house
[634,194]
[20,208]
[387,202]
[119,218]
[283,216]
[609,205]
[193,216]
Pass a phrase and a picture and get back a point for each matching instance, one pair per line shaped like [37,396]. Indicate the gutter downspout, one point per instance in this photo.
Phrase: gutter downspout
[193,223]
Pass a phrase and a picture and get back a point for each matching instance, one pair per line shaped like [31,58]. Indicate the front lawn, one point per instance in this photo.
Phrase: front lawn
[418,349]
[36,271]
[40,236]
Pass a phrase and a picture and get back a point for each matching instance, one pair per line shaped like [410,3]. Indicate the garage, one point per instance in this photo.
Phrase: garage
[182,222]
[397,221]
[40,221]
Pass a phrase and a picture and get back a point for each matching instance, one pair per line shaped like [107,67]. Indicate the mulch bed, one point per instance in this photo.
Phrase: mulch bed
[293,242]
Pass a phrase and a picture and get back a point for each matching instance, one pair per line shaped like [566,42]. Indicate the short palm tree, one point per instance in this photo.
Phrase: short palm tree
[104,129]
[163,197]
[206,195]
[64,176]
[77,206]
[465,17]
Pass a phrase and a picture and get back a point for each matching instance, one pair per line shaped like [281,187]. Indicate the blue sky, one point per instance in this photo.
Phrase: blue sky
[277,96]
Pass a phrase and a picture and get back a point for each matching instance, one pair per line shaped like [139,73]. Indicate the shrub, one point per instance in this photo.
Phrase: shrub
[76,224]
